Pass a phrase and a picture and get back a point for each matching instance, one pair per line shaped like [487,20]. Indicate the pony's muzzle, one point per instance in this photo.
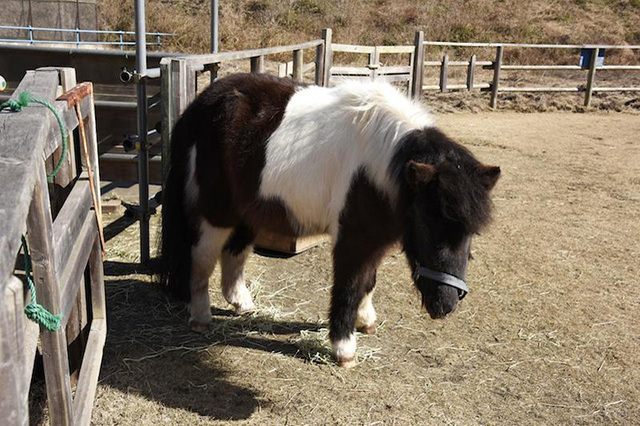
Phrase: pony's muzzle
[438,299]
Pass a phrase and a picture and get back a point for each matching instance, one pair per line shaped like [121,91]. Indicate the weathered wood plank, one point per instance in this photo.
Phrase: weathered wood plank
[72,274]
[22,137]
[168,119]
[395,49]
[246,54]
[319,77]
[96,276]
[288,244]
[351,71]
[444,73]
[418,66]
[53,140]
[14,391]
[496,77]
[351,48]
[471,70]
[257,65]
[298,64]
[70,220]
[54,344]
[89,373]
[591,77]
[328,56]
[398,69]
[68,169]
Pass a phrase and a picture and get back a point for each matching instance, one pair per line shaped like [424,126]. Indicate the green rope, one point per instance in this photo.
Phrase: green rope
[24,99]
[34,311]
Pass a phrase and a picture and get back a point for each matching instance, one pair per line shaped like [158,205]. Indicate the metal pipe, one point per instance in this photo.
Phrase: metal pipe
[214,26]
[143,153]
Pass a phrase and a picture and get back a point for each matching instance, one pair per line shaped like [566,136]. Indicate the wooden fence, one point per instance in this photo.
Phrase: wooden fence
[591,65]
[60,221]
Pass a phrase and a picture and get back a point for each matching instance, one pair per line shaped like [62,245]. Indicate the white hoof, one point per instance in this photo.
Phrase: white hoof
[344,351]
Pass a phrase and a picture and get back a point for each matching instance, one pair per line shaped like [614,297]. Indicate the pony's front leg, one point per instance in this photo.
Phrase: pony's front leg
[366,316]
[354,278]
[234,288]
[204,256]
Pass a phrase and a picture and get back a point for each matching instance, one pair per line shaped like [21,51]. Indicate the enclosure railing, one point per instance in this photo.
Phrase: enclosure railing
[590,64]
[62,250]
[123,38]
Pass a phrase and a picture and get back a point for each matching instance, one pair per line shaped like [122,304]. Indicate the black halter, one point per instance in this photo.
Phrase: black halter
[443,278]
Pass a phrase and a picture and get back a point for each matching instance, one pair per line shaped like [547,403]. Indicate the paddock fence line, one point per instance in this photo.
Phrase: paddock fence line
[60,221]
[591,58]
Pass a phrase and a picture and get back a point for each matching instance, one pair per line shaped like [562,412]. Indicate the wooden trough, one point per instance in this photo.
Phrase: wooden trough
[60,221]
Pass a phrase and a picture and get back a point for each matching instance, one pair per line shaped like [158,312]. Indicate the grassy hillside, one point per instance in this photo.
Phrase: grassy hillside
[258,23]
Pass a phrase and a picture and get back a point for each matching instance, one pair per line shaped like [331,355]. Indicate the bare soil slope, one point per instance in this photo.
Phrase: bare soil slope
[548,335]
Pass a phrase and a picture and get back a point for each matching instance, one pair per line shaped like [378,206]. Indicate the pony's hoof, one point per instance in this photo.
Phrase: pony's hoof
[368,329]
[244,310]
[347,362]
[199,327]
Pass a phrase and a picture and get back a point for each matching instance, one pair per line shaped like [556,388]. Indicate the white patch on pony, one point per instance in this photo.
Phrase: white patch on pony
[234,288]
[366,316]
[344,350]
[204,256]
[192,190]
[325,137]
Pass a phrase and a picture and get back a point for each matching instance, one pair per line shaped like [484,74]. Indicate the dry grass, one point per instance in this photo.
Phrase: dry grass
[549,334]
[258,23]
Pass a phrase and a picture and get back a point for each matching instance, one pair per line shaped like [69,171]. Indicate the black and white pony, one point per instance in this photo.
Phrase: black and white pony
[358,161]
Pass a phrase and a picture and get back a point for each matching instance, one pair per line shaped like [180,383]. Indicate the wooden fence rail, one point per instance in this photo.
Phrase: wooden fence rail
[497,66]
[62,250]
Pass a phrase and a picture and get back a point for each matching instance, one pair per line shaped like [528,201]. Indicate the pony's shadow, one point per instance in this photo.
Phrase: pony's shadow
[151,351]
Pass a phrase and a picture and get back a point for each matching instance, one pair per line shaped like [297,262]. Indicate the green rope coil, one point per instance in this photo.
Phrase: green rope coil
[23,100]
[34,311]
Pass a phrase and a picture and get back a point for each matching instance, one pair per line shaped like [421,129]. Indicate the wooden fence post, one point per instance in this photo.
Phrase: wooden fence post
[328,57]
[443,73]
[298,63]
[166,90]
[257,64]
[14,394]
[54,343]
[496,77]
[591,76]
[319,78]
[470,72]
[418,66]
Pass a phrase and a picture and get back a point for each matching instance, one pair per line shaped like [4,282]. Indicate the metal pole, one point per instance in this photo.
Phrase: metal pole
[143,154]
[214,26]
[213,73]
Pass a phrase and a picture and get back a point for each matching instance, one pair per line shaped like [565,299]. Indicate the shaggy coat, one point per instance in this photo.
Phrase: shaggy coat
[358,161]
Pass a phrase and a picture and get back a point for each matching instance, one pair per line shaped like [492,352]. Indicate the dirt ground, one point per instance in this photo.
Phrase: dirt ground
[548,335]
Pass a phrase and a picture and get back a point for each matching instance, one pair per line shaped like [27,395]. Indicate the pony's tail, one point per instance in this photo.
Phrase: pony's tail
[177,234]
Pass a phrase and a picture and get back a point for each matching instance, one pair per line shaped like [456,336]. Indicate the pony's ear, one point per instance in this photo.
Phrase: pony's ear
[418,174]
[488,176]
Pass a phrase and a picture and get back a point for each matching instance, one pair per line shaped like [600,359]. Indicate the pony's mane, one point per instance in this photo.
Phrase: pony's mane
[463,198]
[381,110]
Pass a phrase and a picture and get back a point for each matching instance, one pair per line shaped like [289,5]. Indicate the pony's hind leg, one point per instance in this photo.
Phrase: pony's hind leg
[204,255]
[234,256]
